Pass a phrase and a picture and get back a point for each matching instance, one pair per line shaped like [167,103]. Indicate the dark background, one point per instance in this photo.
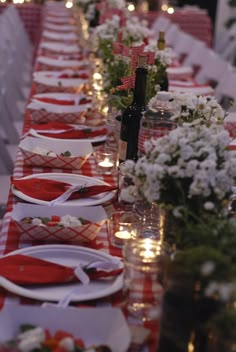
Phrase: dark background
[210,5]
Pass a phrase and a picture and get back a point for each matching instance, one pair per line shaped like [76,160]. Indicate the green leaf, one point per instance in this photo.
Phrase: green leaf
[66,153]
[26,327]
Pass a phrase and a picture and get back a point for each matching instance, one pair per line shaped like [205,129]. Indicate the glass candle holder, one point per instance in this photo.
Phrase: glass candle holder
[150,219]
[106,161]
[121,227]
[144,262]
[126,189]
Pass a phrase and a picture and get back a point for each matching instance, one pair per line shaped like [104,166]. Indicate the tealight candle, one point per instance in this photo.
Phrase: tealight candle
[106,161]
[124,235]
[121,227]
[121,236]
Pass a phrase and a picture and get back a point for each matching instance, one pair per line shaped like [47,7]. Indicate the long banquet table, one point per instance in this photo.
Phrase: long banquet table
[10,239]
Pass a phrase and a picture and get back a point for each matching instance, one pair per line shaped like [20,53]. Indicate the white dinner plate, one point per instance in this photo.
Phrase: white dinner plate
[52,79]
[63,36]
[97,139]
[60,47]
[60,62]
[180,70]
[59,20]
[59,27]
[57,108]
[198,90]
[72,179]
[70,256]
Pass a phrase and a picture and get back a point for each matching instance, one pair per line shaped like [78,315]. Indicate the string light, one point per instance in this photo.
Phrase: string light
[164,7]
[170,10]
[131,7]
[69,4]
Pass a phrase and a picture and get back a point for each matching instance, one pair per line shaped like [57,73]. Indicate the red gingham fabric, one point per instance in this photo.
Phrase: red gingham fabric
[197,24]
[31,17]
[10,238]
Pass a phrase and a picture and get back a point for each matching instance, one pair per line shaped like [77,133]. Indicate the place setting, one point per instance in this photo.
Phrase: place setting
[55,36]
[59,27]
[58,272]
[62,131]
[61,62]
[59,81]
[62,189]
[61,48]
[63,107]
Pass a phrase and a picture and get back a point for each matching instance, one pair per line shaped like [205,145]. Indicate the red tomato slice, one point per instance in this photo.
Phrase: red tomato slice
[60,334]
[55,218]
[79,343]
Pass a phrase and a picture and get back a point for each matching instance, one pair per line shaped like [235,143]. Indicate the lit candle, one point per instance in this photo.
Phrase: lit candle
[150,249]
[121,236]
[106,163]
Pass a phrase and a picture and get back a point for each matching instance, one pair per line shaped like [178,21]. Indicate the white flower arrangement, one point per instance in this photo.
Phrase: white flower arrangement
[188,170]
[135,30]
[195,110]
[118,4]
[165,57]
[108,29]
[91,11]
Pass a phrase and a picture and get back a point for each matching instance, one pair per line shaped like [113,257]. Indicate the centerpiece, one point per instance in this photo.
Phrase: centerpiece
[188,173]
[195,109]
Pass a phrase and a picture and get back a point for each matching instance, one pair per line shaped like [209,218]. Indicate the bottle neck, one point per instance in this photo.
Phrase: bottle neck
[140,87]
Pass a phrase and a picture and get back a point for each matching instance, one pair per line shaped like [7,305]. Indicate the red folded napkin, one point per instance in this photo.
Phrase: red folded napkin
[49,190]
[77,134]
[74,75]
[69,133]
[24,270]
[70,75]
[62,102]
[52,125]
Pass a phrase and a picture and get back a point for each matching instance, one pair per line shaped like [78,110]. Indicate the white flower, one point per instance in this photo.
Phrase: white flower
[223,289]
[128,194]
[164,56]
[207,268]
[67,343]
[178,212]
[31,339]
[209,205]
[194,109]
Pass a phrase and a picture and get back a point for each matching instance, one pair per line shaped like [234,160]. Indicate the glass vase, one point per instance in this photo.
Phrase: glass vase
[149,215]
[163,81]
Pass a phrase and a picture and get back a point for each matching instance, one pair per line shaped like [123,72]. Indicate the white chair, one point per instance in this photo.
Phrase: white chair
[226,90]
[183,45]
[196,58]
[162,23]
[6,162]
[213,70]
[229,54]
[226,38]
[172,34]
